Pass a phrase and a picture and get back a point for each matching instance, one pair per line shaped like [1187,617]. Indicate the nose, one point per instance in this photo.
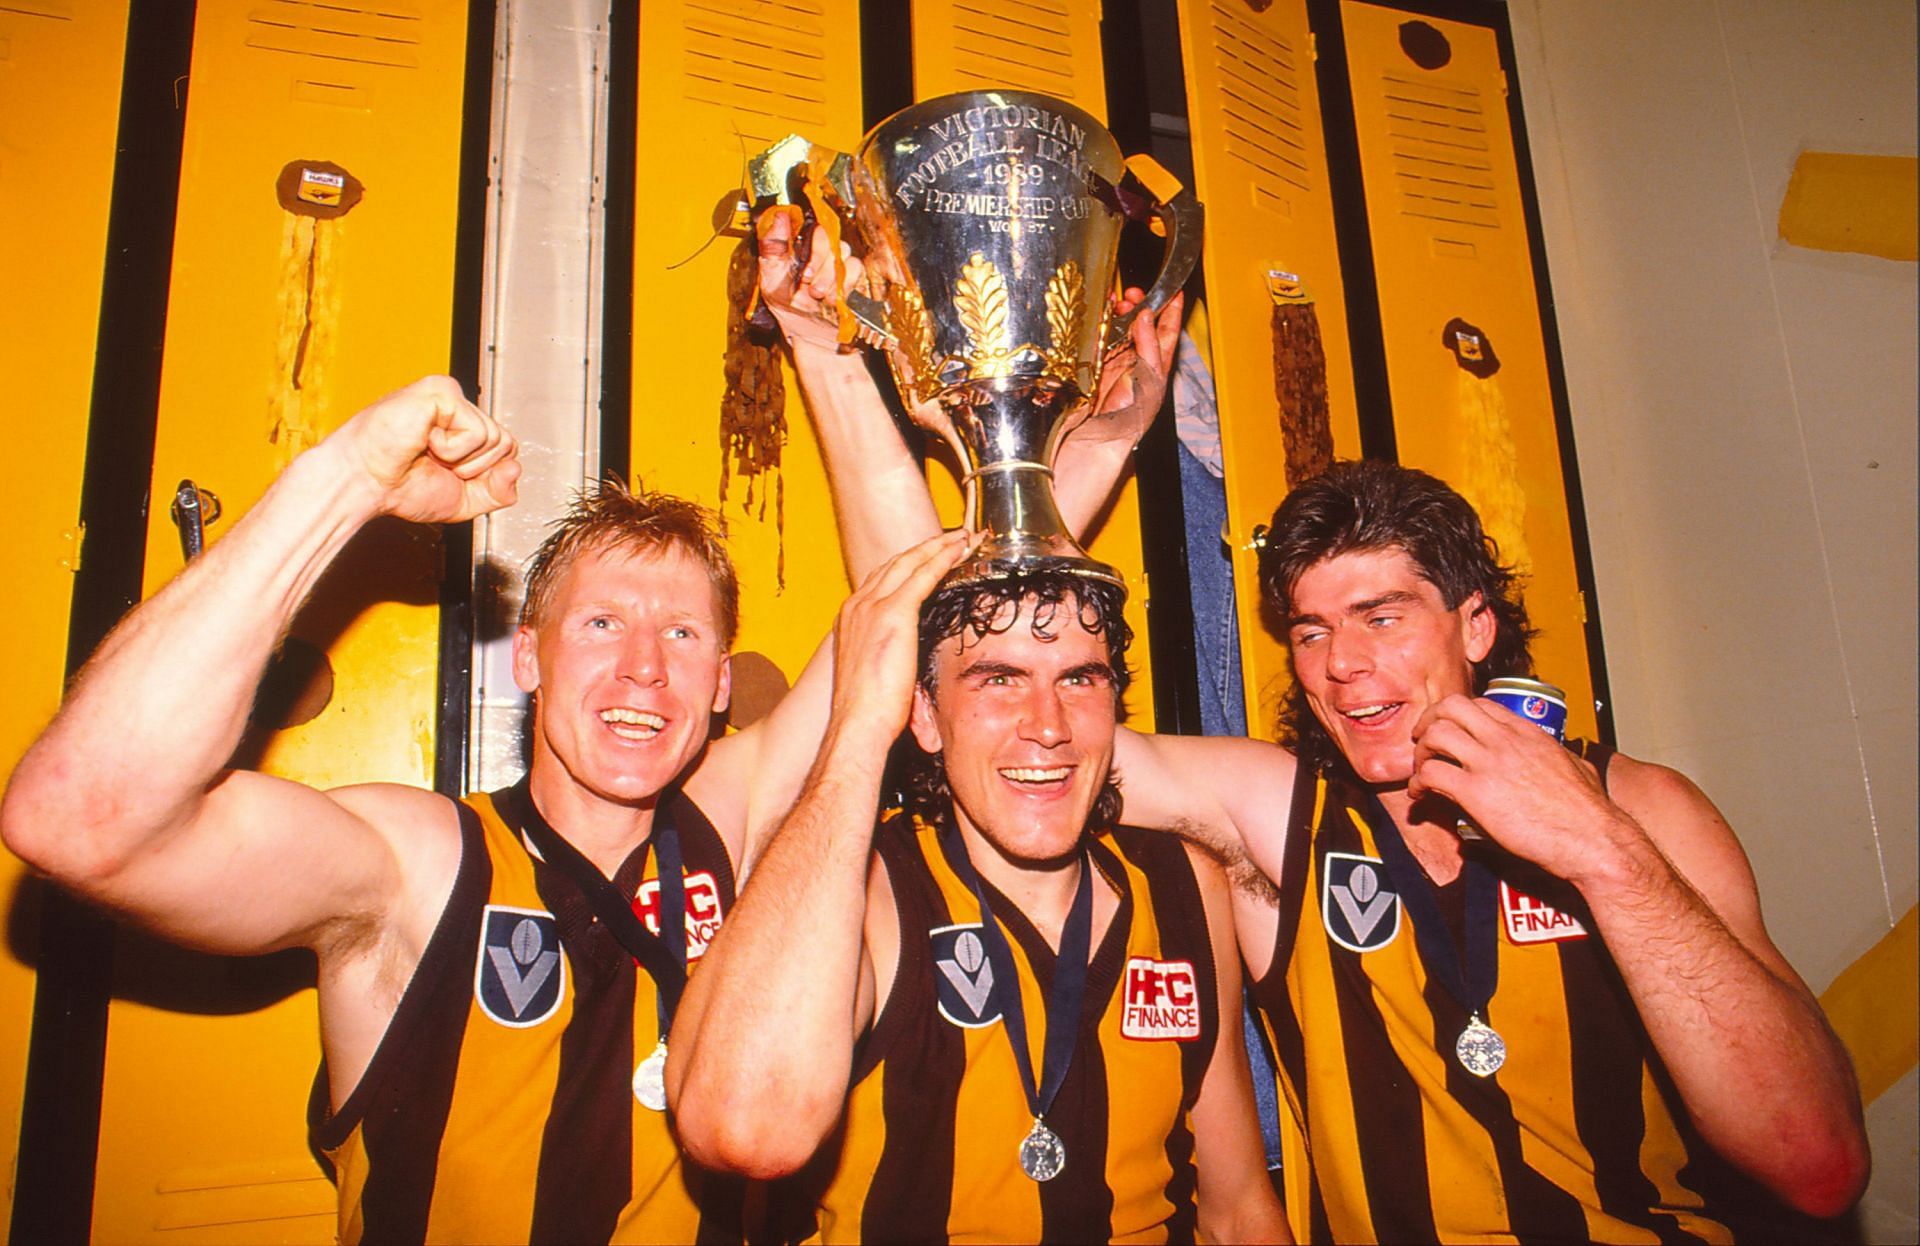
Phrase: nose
[1044,721]
[642,660]
[1348,655]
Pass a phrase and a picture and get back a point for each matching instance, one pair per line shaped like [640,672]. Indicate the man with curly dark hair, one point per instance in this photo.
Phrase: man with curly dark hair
[997,1015]
[1573,1029]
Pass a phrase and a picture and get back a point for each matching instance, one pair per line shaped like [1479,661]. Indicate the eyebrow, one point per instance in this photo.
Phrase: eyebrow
[987,667]
[1399,596]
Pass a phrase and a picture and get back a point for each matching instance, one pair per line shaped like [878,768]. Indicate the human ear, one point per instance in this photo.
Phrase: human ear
[526,661]
[1479,627]
[926,728]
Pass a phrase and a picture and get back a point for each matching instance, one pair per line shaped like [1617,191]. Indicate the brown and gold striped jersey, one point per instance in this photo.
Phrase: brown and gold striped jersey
[1579,1136]
[929,1147]
[499,1104]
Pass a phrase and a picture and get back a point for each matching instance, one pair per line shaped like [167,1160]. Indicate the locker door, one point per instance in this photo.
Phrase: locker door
[1275,300]
[721,80]
[59,113]
[1468,358]
[279,326]
[1050,46]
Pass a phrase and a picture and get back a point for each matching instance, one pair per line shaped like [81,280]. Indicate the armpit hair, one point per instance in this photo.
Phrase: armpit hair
[1242,874]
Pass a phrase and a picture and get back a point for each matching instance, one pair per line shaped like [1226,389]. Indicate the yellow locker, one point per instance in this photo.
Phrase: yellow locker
[1457,296]
[59,114]
[1275,297]
[715,88]
[281,324]
[1051,46]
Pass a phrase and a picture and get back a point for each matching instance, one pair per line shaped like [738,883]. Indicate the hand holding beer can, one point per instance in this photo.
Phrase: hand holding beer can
[1541,704]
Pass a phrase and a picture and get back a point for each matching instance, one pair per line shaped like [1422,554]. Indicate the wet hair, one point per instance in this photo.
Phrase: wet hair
[1367,505]
[976,610]
[611,517]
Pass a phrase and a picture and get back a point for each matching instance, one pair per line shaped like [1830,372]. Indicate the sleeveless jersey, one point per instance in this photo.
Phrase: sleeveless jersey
[929,1149]
[1578,1136]
[499,1104]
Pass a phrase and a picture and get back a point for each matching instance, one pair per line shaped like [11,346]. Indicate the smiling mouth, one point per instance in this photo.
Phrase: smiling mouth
[633,724]
[1368,713]
[1036,776]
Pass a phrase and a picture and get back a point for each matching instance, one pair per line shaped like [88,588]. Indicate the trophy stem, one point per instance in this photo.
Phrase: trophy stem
[1012,502]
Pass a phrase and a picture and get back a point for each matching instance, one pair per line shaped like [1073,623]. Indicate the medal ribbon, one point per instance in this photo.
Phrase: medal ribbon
[1472,984]
[1069,976]
[664,958]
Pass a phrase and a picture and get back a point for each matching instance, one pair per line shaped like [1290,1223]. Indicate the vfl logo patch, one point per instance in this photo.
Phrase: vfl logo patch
[963,976]
[703,910]
[1360,911]
[1530,921]
[520,973]
[1162,1000]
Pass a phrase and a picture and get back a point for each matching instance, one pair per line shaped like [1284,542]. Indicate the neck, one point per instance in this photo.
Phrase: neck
[1429,829]
[605,832]
[1043,891]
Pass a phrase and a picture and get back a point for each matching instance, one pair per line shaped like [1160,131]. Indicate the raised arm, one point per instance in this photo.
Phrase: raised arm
[880,495]
[762,1045]
[1227,794]
[1234,1195]
[1761,1073]
[1096,453]
[125,798]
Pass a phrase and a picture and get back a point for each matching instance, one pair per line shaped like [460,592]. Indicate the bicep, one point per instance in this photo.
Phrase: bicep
[1697,841]
[264,864]
[1230,794]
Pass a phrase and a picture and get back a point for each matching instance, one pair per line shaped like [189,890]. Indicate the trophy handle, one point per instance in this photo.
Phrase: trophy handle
[1183,219]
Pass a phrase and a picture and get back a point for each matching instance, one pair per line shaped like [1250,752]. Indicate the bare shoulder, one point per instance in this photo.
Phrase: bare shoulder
[1669,806]
[721,783]
[421,830]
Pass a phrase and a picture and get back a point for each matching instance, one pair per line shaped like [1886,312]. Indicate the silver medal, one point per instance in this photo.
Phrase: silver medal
[1480,1049]
[1042,1154]
[650,1080]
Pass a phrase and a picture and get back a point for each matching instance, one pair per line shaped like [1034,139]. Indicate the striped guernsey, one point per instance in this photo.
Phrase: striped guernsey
[928,1148]
[1579,1135]
[498,1106]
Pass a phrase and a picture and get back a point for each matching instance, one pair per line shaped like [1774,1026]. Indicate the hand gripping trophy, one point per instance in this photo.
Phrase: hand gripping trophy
[989,223]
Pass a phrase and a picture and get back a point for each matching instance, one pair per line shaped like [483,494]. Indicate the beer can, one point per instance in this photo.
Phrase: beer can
[1541,704]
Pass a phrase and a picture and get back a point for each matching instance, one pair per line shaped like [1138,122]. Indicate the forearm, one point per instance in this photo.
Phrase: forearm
[880,497]
[763,1044]
[158,710]
[1087,475]
[1761,1073]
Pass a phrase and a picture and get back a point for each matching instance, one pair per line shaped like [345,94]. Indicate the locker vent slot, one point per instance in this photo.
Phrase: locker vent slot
[375,32]
[1441,155]
[1021,44]
[1260,76]
[763,62]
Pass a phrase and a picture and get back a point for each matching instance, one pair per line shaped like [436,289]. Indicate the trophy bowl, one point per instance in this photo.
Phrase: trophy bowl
[990,224]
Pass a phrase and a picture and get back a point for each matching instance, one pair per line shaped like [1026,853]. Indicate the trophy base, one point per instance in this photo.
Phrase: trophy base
[1013,566]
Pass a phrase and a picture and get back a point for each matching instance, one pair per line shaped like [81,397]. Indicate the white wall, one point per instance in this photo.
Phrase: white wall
[1745,418]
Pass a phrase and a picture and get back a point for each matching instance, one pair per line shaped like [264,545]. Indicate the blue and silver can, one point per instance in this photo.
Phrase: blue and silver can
[1541,704]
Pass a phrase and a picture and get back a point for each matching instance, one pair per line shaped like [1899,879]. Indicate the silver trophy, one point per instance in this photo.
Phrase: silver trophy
[989,223]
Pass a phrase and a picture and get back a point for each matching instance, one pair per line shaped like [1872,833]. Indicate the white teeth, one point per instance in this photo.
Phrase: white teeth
[650,723]
[1367,711]
[1032,774]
